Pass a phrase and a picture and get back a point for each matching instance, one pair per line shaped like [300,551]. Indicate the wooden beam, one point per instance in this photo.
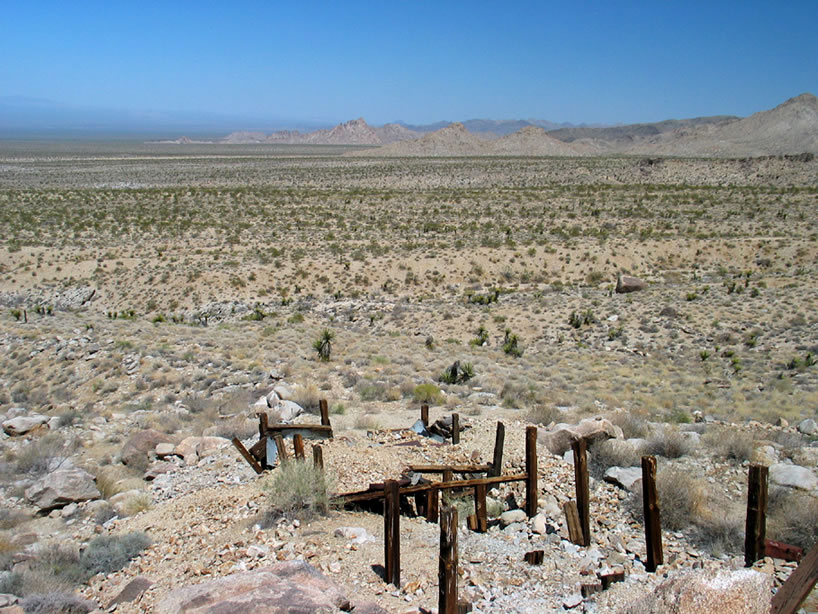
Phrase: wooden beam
[572,522]
[579,448]
[447,568]
[499,442]
[755,531]
[798,586]
[262,424]
[371,495]
[780,550]
[531,494]
[259,451]
[610,578]
[247,456]
[323,407]
[284,428]
[282,450]
[298,446]
[391,541]
[455,429]
[432,504]
[318,457]
[653,523]
[452,468]
[424,415]
[480,508]
[448,475]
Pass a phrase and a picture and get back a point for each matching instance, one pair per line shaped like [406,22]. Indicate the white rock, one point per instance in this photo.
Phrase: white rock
[23,424]
[356,535]
[808,427]
[512,516]
[538,524]
[629,478]
[793,476]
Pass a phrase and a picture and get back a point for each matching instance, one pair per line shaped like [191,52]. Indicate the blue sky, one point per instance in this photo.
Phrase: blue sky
[601,62]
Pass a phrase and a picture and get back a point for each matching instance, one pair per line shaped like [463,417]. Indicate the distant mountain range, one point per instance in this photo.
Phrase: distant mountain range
[789,128]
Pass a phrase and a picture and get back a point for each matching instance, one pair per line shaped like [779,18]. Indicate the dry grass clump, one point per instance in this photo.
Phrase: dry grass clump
[792,517]
[614,453]
[669,442]
[56,602]
[729,443]
[308,397]
[633,427]
[681,498]
[720,528]
[545,414]
[298,489]
[37,455]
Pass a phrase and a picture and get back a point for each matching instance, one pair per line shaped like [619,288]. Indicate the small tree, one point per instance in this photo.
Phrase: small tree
[323,345]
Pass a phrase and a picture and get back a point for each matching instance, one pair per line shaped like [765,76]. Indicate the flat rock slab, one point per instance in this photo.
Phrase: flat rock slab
[629,478]
[23,424]
[132,591]
[291,587]
[793,476]
[61,487]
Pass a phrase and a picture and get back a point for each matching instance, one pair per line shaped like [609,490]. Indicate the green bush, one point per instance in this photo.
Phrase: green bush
[297,489]
[511,344]
[427,393]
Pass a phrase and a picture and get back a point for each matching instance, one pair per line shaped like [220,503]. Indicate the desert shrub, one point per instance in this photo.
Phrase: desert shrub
[614,453]
[12,583]
[137,503]
[367,422]
[69,417]
[730,443]
[427,393]
[323,344]
[632,426]
[721,532]
[457,373]
[37,454]
[10,519]
[517,394]
[109,553]
[668,442]
[544,414]
[511,344]
[308,397]
[56,602]
[298,489]
[792,517]
[482,337]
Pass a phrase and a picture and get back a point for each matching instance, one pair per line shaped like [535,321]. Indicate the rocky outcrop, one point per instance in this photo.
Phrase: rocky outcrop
[625,284]
[194,448]
[739,592]
[558,439]
[141,445]
[61,487]
[285,588]
[23,424]
[793,476]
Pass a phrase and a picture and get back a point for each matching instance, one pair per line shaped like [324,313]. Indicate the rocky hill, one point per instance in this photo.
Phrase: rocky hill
[354,132]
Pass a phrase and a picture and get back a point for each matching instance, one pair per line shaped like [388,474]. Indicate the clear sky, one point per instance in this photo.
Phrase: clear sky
[611,61]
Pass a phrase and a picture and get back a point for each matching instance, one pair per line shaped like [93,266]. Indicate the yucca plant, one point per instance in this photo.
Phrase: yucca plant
[323,345]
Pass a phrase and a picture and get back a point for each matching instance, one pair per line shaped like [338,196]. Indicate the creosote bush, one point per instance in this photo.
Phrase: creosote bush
[427,393]
[297,489]
[730,443]
[668,442]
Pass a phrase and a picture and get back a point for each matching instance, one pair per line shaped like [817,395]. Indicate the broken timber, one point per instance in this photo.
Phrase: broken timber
[798,586]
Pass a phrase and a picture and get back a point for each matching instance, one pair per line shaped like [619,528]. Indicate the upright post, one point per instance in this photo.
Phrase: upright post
[318,457]
[262,424]
[497,460]
[531,471]
[583,495]
[455,429]
[298,446]
[448,475]
[432,503]
[480,508]
[324,408]
[282,451]
[756,527]
[391,518]
[447,570]
[424,415]
[653,524]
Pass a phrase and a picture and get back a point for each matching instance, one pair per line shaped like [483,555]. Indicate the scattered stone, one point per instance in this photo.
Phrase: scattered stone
[782,422]
[7,599]
[629,478]
[141,445]
[23,424]
[157,469]
[268,590]
[626,283]
[808,427]
[194,448]
[356,535]
[793,476]
[572,601]
[539,525]
[739,592]
[61,487]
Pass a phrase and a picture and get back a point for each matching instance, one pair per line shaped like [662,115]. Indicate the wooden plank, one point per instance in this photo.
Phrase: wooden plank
[263,424]
[455,429]
[531,494]
[298,446]
[798,586]
[318,457]
[259,451]
[424,415]
[432,504]
[499,442]
[247,456]
[780,550]
[391,542]
[535,557]
[471,522]
[284,428]
[448,475]
[590,588]
[755,531]
[579,448]
[371,495]
[653,523]
[480,508]
[447,567]
[282,450]
[323,407]
[572,522]
[609,578]
[452,468]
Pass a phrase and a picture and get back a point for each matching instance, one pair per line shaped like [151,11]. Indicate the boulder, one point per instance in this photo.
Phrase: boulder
[271,400]
[156,469]
[764,455]
[194,448]
[23,424]
[288,410]
[744,591]
[808,427]
[61,487]
[141,445]
[807,457]
[625,284]
[284,588]
[559,438]
[284,392]
[164,449]
[793,476]
[629,478]
[132,591]
[512,516]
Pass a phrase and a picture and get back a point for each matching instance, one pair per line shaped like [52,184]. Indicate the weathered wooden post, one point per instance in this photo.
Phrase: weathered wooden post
[247,456]
[531,471]
[323,407]
[298,446]
[455,429]
[282,451]
[432,503]
[424,415]
[480,508]
[497,460]
[447,570]
[448,475]
[581,482]
[798,586]
[756,527]
[318,457]
[653,524]
[263,425]
[391,519]
[572,520]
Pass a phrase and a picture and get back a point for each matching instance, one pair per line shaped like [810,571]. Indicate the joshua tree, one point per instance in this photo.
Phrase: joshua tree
[323,345]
